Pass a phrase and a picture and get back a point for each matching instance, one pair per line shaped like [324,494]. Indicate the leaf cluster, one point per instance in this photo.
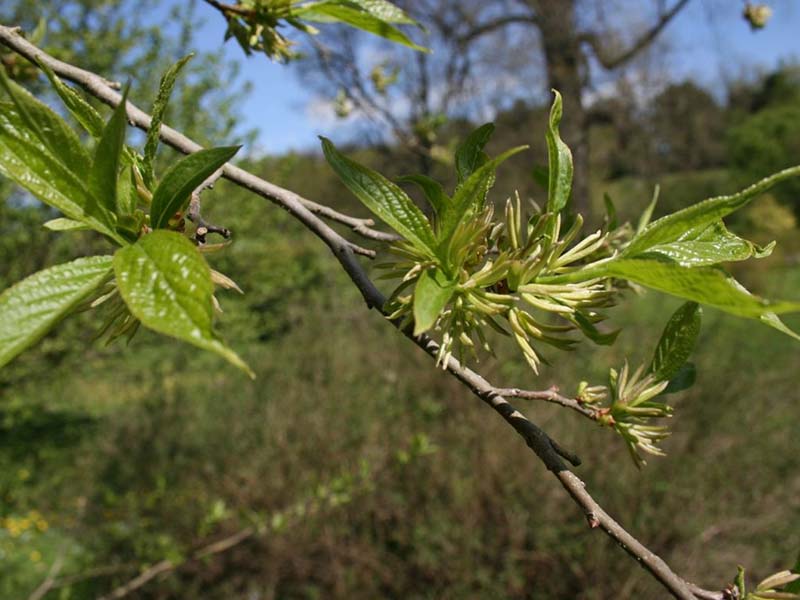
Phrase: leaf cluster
[156,277]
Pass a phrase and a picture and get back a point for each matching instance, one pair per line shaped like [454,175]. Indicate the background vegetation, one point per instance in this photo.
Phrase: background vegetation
[369,474]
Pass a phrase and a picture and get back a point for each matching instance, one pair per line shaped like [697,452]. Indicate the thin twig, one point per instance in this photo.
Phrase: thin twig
[50,579]
[203,227]
[536,439]
[553,396]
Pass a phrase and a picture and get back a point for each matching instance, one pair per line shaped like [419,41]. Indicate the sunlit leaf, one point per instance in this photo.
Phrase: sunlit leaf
[62,224]
[693,218]
[391,204]
[710,245]
[431,294]
[677,342]
[332,12]
[79,108]
[167,285]
[560,161]
[30,308]
[157,116]
[105,167]
[174,191]
[54,134]
[26,160]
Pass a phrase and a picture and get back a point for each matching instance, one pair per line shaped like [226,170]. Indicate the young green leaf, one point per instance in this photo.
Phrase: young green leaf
[710,245]
[29,309]
[706,285]
[174,191]
[470,154]
[385,11]
[433,190]
[682,380]
[332,11]
[611,212]
[385,199]
[560,159]
[694,218]
[105,167]
[677,342]
[83,112]
[25,160]
[167,285]
[62,224]
[53,133]
[431,295]
[471,194]
[159,108]
[644,220]
[774,321]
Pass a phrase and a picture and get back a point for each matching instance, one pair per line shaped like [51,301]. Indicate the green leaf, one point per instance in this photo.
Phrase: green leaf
[611,212]
[355,16]
[794,587]
[167,285]
[385,11]
[541,176]
[706,285]
[592,332]
[682,380]
[53,133]
[774,321]
[385,199]
[433,190]
[644,220]
[693,218]
[105,167]
[431,295]
[470,154]
[175,189]
[560,160]
[677,342]
[471,194]
[25,160]
[62,224]
[710,245]
[83,112]
[30,308]
[159,108]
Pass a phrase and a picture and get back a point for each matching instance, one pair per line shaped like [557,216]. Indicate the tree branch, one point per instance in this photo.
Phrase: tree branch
[610,62]
[494,25]
[537,440]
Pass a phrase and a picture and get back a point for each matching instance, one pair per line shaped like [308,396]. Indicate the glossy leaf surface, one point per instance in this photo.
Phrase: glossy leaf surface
[30,308]
[167,285]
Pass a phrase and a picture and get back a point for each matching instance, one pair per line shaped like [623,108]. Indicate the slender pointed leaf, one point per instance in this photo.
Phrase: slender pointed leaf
[433,190]
[644,220]
[682,380]
[54,134]
[431,295]
[79,108]
[469,154]
[29,309]
[385,199]
[560,160]
[159,109]
[173,193]
[105,166]
[706,285]
[332,12]
[677,341]
[385,11]
[471,194]
[25,160]
[62,224]
[672,227]
[711,245]
[774,321]
[167,285]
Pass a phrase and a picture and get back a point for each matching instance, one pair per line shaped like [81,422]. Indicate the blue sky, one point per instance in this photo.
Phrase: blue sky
[709,41]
